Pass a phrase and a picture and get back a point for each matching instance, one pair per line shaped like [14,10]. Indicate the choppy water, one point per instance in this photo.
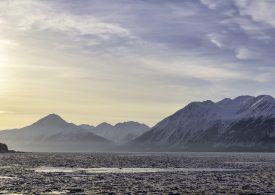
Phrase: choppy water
[137,173]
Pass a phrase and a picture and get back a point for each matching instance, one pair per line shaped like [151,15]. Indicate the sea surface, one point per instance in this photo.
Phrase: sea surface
[137,173]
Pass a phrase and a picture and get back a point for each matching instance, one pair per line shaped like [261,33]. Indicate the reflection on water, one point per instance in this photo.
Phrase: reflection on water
[125,170]
[6,192]
[57,192]
[6,177]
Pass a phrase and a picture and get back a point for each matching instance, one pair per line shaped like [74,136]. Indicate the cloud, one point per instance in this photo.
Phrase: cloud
[259,11]
[211,4]
[215,5]
[41,16]
[245,54]
[76,25]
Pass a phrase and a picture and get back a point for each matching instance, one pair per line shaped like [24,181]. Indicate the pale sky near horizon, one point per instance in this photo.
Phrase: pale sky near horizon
[113,61]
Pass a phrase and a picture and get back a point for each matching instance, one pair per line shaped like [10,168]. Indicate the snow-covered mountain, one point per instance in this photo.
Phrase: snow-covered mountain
[119,133]
[240,124]
[52,133]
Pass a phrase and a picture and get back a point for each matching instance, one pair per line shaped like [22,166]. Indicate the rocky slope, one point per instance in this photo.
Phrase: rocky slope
[245,123]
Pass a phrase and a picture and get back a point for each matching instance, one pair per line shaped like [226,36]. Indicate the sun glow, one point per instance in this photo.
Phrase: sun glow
[4,72]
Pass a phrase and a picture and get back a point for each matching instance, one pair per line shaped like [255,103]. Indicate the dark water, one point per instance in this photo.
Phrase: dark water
[137,173]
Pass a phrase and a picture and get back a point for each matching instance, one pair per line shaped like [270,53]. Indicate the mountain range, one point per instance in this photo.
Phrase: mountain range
[120,133]
[245,123]
[52,133]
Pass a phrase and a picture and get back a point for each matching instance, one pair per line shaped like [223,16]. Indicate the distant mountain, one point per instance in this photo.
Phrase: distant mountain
[120,133]
[245,123]
[52,133]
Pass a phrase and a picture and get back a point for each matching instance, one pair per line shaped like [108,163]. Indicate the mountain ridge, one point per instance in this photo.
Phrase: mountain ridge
[206,125]
[119,133]
[52,133]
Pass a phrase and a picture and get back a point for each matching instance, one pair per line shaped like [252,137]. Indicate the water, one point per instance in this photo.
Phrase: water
[125,170]
[152,173]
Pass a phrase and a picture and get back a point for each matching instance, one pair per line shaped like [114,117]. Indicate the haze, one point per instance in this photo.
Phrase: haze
[95,61]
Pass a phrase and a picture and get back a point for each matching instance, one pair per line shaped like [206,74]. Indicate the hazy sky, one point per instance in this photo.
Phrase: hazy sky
[102,60]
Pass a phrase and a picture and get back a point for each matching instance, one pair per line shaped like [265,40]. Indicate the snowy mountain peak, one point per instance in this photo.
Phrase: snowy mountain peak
[266,98]
[236,102]
[242,106]
[199,109]
[263,105]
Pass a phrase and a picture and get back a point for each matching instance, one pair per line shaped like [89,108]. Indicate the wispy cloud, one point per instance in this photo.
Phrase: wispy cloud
[216,39]
[48,17]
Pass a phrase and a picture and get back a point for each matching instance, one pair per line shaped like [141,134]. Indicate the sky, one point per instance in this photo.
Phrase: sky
[114,61]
